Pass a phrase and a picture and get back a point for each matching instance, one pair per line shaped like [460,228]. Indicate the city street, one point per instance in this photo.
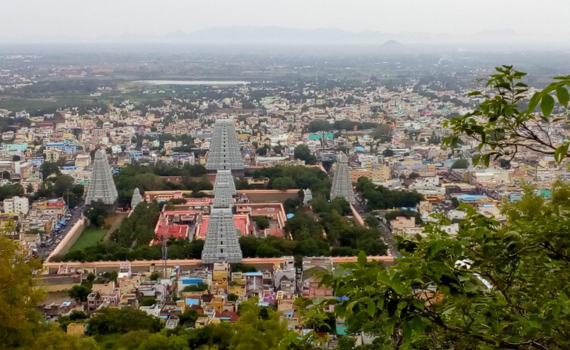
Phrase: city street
[56,237]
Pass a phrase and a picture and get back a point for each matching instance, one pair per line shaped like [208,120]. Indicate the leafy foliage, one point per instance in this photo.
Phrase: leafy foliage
[95,212]
[296,177]
[493,287]
[18,296]
[124,320]
[138,228]
[502,129]
[262,222]
[380,197]
[302,152]
[147,178]
[460,164]
[198,287]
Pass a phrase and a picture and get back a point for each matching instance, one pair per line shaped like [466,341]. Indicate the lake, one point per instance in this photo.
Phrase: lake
[192,82]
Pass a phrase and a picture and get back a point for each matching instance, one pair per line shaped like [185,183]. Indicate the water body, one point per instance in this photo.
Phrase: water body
[192,82]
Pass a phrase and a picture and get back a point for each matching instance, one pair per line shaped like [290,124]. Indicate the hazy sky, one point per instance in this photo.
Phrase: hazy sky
[92,18]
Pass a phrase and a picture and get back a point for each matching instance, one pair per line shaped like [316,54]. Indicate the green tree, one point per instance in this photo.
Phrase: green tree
[109,321]
[63,184]
[79,293]
[502,128]
[249,245]
[302,152]
[383,133]
[57,339]
[262,222]
[371,221]
[388,153]
[95,211]
[255,332]
[319,125]
[414,175]
[147,301]
[49,168]
[263,150]
[454,202]
[460,164]
[189,316]
[283,183]
[233,297]
[198,287]
[483,289]
[18,296]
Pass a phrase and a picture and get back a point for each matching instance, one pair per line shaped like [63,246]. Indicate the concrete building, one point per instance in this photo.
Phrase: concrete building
[66,147]
[19,205]
[381,173]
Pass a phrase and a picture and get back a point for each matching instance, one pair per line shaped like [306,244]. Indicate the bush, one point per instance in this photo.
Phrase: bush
[198,287]
[262,222]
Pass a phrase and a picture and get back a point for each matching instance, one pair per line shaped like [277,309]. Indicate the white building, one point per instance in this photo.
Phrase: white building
[17,205]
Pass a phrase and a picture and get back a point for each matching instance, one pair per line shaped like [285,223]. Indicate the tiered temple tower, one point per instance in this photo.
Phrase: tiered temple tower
[137,198]
[307,197]
[101,186]
[225,176]
[342,185]
[221,237]
[224,151]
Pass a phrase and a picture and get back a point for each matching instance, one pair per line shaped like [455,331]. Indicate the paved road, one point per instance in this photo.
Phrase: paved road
[75,215]
[384,229]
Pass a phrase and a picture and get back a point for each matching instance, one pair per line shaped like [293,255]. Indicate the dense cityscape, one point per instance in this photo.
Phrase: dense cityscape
[189,196]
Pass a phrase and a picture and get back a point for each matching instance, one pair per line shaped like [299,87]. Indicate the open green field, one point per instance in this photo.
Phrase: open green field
[89,237]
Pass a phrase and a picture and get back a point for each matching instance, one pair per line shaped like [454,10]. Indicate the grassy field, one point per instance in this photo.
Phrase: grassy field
[90,236]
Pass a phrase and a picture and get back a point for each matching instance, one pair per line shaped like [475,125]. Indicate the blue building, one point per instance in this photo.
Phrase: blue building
[66,147]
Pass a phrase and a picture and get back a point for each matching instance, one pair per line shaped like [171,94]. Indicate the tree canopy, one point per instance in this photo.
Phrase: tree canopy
[302,152]
[380,197]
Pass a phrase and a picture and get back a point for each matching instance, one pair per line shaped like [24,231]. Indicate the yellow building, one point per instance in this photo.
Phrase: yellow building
[220,278]
[379,174]
[77,329]
[52,155]
[237,284]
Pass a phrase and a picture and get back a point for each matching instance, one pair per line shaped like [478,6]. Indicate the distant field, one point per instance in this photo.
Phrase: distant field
[89,237]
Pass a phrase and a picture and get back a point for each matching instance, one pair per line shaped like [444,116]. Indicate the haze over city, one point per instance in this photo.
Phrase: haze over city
[412,21]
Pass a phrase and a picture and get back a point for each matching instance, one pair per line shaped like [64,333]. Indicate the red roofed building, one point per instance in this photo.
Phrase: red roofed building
[242,223]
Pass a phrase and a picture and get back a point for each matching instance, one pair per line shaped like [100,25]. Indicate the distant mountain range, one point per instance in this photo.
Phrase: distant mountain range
[281,35]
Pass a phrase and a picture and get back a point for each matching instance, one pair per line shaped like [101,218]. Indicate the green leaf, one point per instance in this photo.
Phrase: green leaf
[562,95]
[371,308]
[407,331]
[547,105]
[418,304]
[417,324]
[555,310]
[560,152]
[533,101]
[402,304]
[362,258]
[476,160]
[380,303]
